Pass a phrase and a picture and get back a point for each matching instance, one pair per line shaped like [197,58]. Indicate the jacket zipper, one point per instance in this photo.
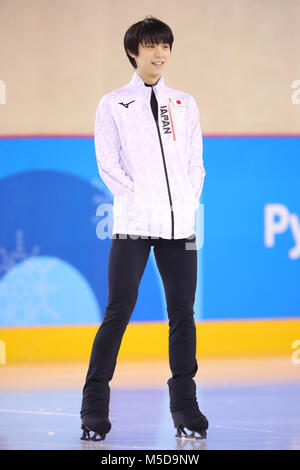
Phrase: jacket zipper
[166,173]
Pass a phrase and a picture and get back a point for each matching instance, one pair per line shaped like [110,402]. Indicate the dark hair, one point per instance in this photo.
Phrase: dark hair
[150,30]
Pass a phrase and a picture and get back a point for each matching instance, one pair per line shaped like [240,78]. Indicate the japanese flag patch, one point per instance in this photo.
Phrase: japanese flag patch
[178,102]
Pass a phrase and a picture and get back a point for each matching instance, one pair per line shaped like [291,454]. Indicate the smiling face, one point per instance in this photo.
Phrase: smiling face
[151,60]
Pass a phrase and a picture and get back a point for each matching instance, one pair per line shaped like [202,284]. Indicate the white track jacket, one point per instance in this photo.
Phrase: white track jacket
[154,169]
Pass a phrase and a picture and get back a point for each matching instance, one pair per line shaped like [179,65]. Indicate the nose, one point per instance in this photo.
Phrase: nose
[159,51]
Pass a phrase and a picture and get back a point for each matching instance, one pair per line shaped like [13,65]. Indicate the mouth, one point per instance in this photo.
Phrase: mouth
[158,64]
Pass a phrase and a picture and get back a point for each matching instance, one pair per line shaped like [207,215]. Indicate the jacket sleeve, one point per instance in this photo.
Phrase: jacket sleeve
[196,168]
[107,148]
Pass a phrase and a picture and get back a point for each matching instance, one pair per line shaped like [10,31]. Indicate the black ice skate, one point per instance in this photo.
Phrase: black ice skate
[193,420]
[99,425]
[185,410]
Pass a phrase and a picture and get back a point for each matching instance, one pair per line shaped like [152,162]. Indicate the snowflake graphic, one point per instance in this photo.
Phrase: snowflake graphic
[24,290]
[9,260]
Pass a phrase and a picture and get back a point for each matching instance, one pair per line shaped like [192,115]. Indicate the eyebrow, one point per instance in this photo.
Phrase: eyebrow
[153,43]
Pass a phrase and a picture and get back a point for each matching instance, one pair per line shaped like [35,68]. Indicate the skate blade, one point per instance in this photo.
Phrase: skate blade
[185,435]
[95,438]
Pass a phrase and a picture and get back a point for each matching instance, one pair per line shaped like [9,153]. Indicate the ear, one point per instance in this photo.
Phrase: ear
[131,54]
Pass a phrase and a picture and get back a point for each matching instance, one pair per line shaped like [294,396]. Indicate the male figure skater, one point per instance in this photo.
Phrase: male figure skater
[149,152]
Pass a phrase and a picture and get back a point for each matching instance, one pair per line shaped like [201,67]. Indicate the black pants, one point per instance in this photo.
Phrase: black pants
[176,260]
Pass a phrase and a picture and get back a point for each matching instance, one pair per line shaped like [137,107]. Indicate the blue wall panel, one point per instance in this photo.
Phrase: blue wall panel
[53,267]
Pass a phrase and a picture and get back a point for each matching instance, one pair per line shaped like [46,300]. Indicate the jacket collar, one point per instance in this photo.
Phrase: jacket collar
[138,84]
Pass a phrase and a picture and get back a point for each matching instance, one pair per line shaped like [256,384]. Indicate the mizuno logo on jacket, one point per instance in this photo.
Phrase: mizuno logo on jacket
[127,104]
